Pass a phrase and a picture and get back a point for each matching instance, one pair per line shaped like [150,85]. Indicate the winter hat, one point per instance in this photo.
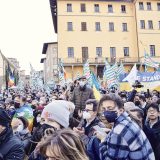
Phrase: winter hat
[5,119]
[130,106]
[57,111]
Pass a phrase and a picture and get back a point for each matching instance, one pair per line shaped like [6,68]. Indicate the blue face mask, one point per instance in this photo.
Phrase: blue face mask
[110,116]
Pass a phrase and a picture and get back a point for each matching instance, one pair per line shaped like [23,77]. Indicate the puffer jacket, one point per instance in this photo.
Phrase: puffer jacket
[80,96]
[11,148]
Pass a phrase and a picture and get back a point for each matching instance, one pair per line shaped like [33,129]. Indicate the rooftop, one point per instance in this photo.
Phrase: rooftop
[45,46]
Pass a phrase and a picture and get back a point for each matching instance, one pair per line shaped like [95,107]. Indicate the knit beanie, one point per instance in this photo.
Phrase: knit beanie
[57,111]
[5,119]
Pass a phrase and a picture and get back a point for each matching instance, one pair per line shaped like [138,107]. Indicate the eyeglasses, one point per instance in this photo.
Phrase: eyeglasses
[87,110]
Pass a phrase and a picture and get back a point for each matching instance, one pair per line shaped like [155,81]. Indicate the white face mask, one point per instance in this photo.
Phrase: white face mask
[20,128]
[86,115]
[38,119]
[82,83]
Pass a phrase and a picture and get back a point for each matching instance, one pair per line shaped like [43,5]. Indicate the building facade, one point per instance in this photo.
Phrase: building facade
[100,30]
[50,62]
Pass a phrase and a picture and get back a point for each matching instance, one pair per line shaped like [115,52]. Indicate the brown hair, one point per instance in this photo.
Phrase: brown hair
[64,145]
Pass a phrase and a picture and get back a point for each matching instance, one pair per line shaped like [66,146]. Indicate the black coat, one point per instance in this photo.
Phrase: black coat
[153,135]
[11,147]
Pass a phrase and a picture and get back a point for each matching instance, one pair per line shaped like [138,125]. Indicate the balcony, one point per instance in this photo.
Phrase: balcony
[156,59]
[98,60]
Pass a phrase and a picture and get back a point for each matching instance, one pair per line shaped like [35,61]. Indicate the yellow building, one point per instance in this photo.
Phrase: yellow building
[99,30]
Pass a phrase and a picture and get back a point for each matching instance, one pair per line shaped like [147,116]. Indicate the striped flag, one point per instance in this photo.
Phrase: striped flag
[107,66]
[62,73]
[111,77]
[87,72]
[148,61]
[120,70]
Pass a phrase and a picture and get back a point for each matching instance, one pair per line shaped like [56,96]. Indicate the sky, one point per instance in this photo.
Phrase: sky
[24,26]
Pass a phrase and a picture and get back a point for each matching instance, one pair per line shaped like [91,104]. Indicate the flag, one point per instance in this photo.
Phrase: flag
[120,70]
[95,81]
[132,76]
[111,77]
[62,73]
[107,66]
[87,72]
[96,93]
[11,80]
[148,61]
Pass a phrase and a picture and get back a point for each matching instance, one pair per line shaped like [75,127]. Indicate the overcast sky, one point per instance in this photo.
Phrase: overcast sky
[24,26]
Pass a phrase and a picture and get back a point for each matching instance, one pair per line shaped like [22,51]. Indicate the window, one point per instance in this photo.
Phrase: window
[124,27]
[99,51]
[110,9]
[69,26]
[96,7]
[70,52]
[123,8]
[158,24]
[126,51]
[150,24]
[141,7]
[113,54]
[83,26]
[149,6]
[152,50]
[98,26]
[158,6]
[83,7]
[69,7]
[111,26]
[84,54]
[142,24]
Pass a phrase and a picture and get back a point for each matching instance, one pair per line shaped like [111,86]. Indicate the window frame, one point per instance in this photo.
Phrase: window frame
[126,54]
[83,7]
[150,25]
[111,27]
[152,50]
[68,26]
[122,8]
[110,11]
[82,26]
[97,26]
[124,27]
[158,6]
[98,54]
[142,25]
[69,8]
[149,6]
[96,8]
[70,52]
[141,6]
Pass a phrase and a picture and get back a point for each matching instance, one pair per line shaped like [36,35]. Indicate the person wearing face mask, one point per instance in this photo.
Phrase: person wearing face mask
[25,110]
[137,101]
[20,129]
[80,95]
[126,140]
[56,116]
[11,148]
[86,128]
[89,117]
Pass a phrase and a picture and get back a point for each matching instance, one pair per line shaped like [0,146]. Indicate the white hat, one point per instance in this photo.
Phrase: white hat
[57,111]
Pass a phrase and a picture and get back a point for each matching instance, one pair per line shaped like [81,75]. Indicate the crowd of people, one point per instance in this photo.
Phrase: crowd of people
[70,124]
